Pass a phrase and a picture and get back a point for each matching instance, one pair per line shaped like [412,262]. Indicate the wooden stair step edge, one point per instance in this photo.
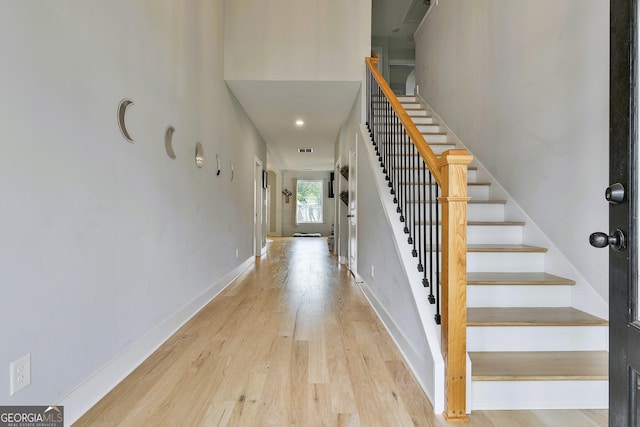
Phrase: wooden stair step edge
[469,168]
[540,366]
[504,248]
[470,202]
[470,184]
[531,316]
[527,278]
[483,223]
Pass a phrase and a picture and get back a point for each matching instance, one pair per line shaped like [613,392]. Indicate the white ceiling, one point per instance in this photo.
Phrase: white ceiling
[403,16]
[274,107]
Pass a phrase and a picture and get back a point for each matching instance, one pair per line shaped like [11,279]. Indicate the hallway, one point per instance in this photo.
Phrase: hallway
[291,342]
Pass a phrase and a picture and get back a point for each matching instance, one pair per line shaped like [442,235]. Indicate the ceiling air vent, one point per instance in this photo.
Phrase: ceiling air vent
[305,150]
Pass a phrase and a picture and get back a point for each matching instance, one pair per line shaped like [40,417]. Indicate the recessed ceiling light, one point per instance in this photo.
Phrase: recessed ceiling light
[299,122]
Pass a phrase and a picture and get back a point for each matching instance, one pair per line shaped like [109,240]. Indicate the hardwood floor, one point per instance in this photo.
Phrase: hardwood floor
[291,342]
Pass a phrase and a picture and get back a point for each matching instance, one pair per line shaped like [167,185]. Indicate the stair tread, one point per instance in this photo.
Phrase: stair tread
[542,365]
[504,248]
[411,143]
[401,144]
[531,316]
[472,202]
[426,132]
[484,223]
[477,184]
[469,168]
[496,223]
[530,278]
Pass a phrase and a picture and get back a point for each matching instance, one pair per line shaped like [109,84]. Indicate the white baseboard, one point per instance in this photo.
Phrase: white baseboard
[424,371]
[94,388]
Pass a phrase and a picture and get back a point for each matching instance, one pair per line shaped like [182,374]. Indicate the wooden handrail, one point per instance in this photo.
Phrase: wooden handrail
[450,172]
[425,151]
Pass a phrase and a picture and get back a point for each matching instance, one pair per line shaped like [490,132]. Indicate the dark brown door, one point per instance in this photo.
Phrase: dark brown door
[622,238]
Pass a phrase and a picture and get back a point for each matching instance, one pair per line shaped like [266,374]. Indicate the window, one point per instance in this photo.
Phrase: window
[309,198]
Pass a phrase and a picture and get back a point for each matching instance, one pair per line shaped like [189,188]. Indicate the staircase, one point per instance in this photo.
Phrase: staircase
[528,347]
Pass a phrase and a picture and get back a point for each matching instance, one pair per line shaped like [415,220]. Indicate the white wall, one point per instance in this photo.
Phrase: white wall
[390,279]
[103,240]
[524,85]
[294,40]
[289,225]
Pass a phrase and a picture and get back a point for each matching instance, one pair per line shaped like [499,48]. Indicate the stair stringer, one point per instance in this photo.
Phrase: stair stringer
[426,363]
[583,296]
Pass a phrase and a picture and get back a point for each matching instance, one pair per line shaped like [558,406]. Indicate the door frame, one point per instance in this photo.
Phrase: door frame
[352,211]
[624,331]
[258,203]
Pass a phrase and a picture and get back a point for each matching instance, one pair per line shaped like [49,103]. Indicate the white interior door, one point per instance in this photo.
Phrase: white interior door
[257,209]
[353,209]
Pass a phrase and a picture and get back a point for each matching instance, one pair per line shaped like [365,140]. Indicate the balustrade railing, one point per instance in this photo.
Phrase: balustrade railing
[430,193]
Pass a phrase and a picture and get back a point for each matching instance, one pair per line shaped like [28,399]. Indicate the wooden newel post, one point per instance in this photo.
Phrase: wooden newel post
[453,169]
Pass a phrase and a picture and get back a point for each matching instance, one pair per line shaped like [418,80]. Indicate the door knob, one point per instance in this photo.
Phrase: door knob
[616,240]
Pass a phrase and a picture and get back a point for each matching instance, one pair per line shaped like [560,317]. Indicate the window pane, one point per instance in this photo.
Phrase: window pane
[309,197]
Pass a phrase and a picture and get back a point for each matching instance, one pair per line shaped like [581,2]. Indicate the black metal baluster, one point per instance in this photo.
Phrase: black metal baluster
[414,184]
[423,241]
[432,299]
[437,284]
[404,181]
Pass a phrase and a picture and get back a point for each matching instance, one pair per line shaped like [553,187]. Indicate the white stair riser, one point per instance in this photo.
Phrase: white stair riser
[481,212]
[472,177]
[419,120]
[428,127]
[417,113]
[436,148]
[485,212]
[537,338]
[502,234]
[481,234]
[429,138]
[435,138]
[505,261]
[518,296]
[406,98]
[439,149]
[411,106]
[476,192]
[504,395]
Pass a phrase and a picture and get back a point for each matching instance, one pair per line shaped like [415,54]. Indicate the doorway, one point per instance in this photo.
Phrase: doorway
[258,205]
[352,212]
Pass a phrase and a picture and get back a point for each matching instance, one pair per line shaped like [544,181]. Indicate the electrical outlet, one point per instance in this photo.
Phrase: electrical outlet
[372,272]
[19,374]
